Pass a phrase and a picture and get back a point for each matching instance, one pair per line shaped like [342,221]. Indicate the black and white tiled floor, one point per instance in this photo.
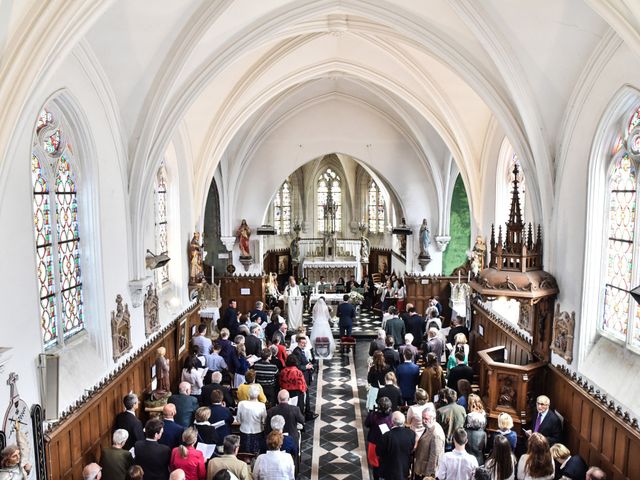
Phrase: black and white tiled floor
[364,326]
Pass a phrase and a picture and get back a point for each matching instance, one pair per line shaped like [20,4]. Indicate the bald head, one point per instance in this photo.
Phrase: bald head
[169,411]
[184,388]
[283,396]
[177,475]
[397,419]
[93,471]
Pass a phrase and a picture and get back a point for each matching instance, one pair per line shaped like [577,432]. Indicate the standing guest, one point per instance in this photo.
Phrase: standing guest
[241,365]
[116,461]
[459,325]
[220,415]
[128,421]
[387,294]
[136,473]
[395,326]
[13,467]
[177,475]
[289,445]
[377,421]
[243,325]
[201,341]
[451,416]
[187,458]
[89,472]
[249,381]
[595,473]
[505,424]
[414,325]
[391,390]
[228,460]
[258,315]
[346,315]
[460,371]
[414,413]
[253,343]
[280,336]
[207,390]
[432,315]
[375,378]
[401,295]
[537,463]
[408,345]
[171,431]
[571,467]
[275,360]
[408,374]
[475,425]
[457,464]
[395,448]
[267,375]
[274,325]
[229,317]
[290,413]
[501,464]
[275,464]
[152,456]
[430,446]
[292,380]
[547,422]
[192,374]
[207,433]
[464,390]
[391,355]
[432,378]
[226,349]
[434,343]
[305,364]
[377,344]
[252,415]
[351,284]
[186,405]
[214,362]
[460,345]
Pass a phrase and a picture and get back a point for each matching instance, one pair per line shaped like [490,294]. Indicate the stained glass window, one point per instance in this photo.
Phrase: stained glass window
[162,246]
[56,230]
[620,315]
[329,186]
[282,209]
[375,209]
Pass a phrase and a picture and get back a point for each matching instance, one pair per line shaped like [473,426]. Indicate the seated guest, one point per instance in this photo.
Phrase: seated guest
[378,343]
[501,464]
[275,464]
[186,405]
[128,421]
[267,375]
[459,372]
[457,464]
[253,343]
[505,424]
[391,355]
[228,460]
[459,325]
[290,413]
[537,463]
[475,425]
[207,390]
[201,341]
[395,448]
[595,473]
[207,433]
[152,456]
[250,380]
[289,444]
[115,460]
[171,431]
[391,390]
[546,421]
[408,374]
[570,467]
[432,379]
[221,417]
[373,422]
[450,416]
[430,446]
[408,345]
[187,458]
[252,415]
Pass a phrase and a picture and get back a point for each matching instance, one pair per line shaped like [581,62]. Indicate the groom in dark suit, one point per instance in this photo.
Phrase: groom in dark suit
[346,314]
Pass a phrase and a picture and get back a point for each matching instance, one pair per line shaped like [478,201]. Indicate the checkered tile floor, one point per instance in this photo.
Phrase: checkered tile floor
[364,326]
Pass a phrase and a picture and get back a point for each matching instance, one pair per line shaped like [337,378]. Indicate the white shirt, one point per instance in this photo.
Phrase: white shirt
[274,465]
[251,415]
[457,465]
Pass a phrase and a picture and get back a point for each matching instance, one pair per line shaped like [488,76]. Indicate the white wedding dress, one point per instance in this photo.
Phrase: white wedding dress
[322,328]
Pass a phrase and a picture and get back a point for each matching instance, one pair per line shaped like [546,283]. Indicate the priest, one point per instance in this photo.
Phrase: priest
[294,300]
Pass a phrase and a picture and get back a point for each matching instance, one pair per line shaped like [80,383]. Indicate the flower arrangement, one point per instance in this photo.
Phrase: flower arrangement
[355,298]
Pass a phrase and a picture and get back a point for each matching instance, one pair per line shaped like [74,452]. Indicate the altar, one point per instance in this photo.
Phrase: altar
[329,298]
[331,270]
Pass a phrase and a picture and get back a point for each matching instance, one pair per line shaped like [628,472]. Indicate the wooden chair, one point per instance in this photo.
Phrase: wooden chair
[346,343]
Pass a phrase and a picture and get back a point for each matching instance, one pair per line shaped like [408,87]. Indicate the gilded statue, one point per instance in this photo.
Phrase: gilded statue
[196,271]
[244,233]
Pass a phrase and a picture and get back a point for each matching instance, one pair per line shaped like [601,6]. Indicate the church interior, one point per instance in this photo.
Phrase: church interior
[160,160]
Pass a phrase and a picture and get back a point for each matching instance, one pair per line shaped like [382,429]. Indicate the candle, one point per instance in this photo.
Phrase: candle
[468,277]
[458,276]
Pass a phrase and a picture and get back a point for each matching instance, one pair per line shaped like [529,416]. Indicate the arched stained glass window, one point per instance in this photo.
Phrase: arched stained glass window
[375,209]
[620,314]
[329,206]
[162,245]
[282,209]
[56,229]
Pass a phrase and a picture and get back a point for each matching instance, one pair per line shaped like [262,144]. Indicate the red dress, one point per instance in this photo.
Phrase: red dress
[292,379]
[193,465]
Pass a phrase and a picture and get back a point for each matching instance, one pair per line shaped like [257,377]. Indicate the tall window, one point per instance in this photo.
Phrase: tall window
[162,273]
[620,314]
[375,209]
[329,183]
[56,228]
[282,209]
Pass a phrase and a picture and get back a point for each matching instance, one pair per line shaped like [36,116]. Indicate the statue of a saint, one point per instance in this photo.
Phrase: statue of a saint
[364,249]
[295,248]
[479,253]
[243,234]
[196,272]
[162,373]
[425,239]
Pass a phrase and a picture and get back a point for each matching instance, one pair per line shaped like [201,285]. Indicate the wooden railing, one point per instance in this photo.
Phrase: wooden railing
[78,438]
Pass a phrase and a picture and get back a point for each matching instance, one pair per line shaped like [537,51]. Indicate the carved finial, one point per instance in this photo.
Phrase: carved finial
[530,237]
[515,213]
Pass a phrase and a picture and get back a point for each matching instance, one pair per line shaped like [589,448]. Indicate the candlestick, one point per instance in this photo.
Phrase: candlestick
[458,276]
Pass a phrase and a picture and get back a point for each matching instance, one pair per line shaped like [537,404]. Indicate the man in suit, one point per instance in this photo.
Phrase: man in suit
[290,413]
[152,456]
[394,449]
[459,372]
[546,421]
[395,327]
[229,316]
[305,365]
[346,314]
[172,431]
[128,421]
[391,356]
[408,374]
[414,325]
[459,326]
[221,416]
[253,344]
[186,405]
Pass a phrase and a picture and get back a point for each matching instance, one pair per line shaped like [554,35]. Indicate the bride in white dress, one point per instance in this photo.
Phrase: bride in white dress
[322,328]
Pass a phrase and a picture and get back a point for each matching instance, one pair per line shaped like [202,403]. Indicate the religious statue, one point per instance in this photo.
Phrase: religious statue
[295,248]
[478,252]
[507,393]
[162,373]
[151,320]
[563,329]
[364,249]
[425,239]
[196,272]
[244,233]
[120,329]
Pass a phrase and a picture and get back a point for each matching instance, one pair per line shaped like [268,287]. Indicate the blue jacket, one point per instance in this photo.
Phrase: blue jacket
[346,314]
[172,434]
[408,374]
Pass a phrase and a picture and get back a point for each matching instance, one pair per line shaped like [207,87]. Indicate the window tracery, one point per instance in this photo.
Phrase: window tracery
[329,182]
[376,209]
[282,209]
[162,245]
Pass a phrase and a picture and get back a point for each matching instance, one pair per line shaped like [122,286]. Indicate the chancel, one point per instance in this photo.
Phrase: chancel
[287,184]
